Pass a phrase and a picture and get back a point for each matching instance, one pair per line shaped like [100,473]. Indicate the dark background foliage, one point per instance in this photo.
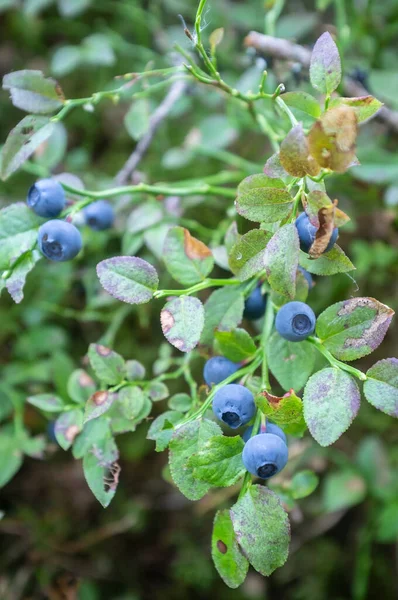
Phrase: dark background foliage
[152,542]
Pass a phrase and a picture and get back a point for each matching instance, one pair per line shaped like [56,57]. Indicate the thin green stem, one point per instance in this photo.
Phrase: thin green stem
[267,329]
[285,109]
[334,361]
[203,285]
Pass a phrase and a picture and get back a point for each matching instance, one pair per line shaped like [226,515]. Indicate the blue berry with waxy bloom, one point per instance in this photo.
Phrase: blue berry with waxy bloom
[46,198]
[307,276]
[295,321]
[307,231]
[99,215]
[217,369]
[265,455]
[255,305]
[234,405]
[59,240]
[269,428]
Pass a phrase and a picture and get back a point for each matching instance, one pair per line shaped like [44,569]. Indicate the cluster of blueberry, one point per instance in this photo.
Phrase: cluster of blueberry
[60,240]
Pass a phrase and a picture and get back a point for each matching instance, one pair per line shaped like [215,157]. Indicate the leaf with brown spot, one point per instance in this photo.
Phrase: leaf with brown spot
[318,199]
[182,321]
[68,425]
[101,469]
[228,559]
[282,410]
[108,365]
[187,259]
[98,404]
[273,168]
[353,328]
[365,106]
[332,139]
[324,232]
[295,156]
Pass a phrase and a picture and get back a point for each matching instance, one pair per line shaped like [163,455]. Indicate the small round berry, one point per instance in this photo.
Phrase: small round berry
[59,240]
[99,215]
[255,305]
[295,321]
[265,455]
[234,405]
[217,369]
[307,232]
[46,198]
[307,276]
[270,428]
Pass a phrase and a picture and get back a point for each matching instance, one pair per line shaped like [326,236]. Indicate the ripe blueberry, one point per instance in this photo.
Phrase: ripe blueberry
[295,321]
[99,215]
[217,369]
[46,197]
[234,404]
[270,428]
[255,305]
[265,455]
[307,276]
[307,232]
[59,240]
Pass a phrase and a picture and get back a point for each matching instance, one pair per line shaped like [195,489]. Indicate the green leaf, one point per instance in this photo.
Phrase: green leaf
[237,345]
[22,141]
[101,470]
[72,8]
[180,402]
[93,433]
[334,261]
[11,455]
[353,328]
[120,423]
[98,404]
[262,529]
[261,198]
[303,484]
[46,402]
[161,429]
[128,278]
[108,365]
[223,311]
[131,400]
[158,391]
[219,461]
[68,425]
[182,321]
[281,260]
[246,257]
[282,410]
[301,295]
[381,386]
[32,92]
[187,259]
[15,282]
[80,386]
[304,102]
[365,106]
[291,363]
[295,154]
[331,402]
[343,490]
[18,233]
[134,370]
[144,216]
[387,523]
[325,66]
[230,563]
[186,441]
[136,120]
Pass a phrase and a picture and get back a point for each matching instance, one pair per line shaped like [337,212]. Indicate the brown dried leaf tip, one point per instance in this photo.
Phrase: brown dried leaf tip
[195,249]
[325,230]
[99,398]
[166,320]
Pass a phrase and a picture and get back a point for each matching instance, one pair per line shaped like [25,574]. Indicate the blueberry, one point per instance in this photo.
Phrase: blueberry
[59,240]
[307,276]
[99,215]
[217,369]
[255,305]
[46,197]
[265,455]
[307,232]
[270,428]
[295,321]
[234,404]
[51,431]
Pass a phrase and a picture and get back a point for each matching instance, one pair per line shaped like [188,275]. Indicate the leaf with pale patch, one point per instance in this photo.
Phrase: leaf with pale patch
[219,461]
[295,154]
[182,321]
[15,282]
[108,365]
[101,470]
[331,402]
[282,410]
[353,328]
[262,198]
[229,561]
[291,363]
[187,259]
[281,258]
[98,404]
[325,66]
[246,257]
[68,425]
[273,168]
[80,386]
[381,386]
[262,529]
[47,402]
[237,345]
[32,92]
[128,278]
[332,139]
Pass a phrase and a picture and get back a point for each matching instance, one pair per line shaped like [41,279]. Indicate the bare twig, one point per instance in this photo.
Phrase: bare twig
[176,90]
[285,50]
